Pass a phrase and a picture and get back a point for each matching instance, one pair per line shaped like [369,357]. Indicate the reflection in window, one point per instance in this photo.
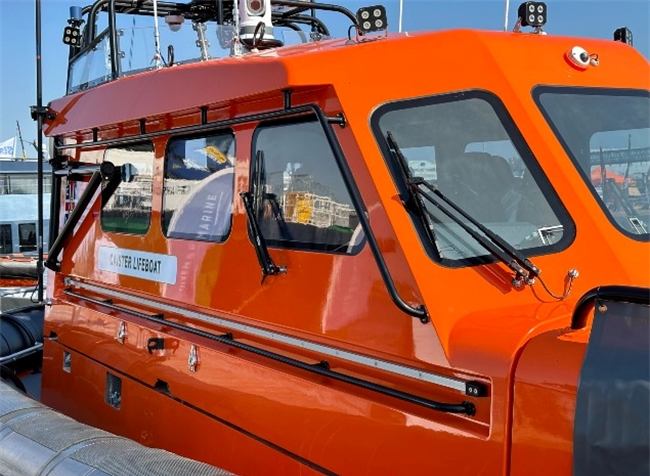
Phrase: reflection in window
[467,147]
[6,245]
[129,209]
[302,200]
[606,133]
[26,237]
[198,190]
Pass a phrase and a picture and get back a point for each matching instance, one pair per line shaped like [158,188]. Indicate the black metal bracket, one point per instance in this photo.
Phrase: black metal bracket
[43,112]
[287,98]
[338,119]
[476,389]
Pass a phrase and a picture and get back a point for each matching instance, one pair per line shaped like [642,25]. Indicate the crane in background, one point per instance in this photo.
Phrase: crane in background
[22,143]
[20,138]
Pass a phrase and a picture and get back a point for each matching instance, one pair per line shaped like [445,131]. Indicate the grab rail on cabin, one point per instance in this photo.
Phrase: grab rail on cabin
[472,388]
[105,173]
[634,295]
[418,311]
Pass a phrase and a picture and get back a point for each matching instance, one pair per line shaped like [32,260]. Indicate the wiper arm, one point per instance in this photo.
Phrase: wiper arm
[411,195]
[251,204]
[409,198]
[496,245]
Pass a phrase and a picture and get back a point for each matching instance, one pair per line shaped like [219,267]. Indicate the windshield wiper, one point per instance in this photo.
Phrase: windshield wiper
[412,201]
[252,202]
[525,270]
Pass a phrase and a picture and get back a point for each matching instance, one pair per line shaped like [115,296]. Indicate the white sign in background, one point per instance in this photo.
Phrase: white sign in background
[140,264]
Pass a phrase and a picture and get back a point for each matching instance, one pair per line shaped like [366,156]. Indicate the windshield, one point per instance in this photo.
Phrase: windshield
[467,146]
[606,133]
[184,42]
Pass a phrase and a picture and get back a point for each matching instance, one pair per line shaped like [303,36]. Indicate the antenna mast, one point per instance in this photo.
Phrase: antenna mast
[38,114]
[156,36]
[20,138]
[401,10]
[505,23]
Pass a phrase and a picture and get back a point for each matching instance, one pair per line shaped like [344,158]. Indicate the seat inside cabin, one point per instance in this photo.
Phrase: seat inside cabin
[482,184]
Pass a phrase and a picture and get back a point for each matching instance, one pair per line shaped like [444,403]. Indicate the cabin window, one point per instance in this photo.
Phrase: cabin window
[26,237]
[6,245]
[199,185]
[128,210]
[301,200]
[467,146]
[23,184]
[606,133]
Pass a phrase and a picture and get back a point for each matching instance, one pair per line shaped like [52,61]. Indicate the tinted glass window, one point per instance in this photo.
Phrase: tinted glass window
[301,199]
[606,133]
[466,145]
[199,184]
[27,237]
[5,239]
[129,209]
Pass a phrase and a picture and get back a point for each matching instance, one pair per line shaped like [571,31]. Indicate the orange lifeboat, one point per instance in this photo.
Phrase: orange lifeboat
[381,254]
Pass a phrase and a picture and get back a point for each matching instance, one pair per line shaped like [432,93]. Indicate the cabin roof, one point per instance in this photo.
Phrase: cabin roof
[461,59]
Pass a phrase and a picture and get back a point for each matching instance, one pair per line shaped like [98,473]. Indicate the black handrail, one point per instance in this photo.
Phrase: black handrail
[634,295]
[464,407]
[53,254]
[420,311]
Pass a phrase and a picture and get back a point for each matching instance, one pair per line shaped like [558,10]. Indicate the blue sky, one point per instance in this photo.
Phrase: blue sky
[582,18]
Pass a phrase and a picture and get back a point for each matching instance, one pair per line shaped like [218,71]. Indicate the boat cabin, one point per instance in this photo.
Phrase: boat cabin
[277,251]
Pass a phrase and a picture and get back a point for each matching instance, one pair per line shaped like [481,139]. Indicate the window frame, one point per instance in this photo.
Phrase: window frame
[188,137]
[304,246]
[29,244]
[520,145]
[3,234]
[541,89]
[153,174]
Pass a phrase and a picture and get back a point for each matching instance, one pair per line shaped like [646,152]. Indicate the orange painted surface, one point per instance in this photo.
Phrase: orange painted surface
[10,282]
[248,414]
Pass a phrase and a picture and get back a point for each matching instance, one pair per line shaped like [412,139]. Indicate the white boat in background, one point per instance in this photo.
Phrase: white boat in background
[19,228]
[19,205]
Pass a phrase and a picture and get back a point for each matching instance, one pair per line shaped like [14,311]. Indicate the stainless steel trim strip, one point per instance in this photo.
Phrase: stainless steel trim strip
[391,367]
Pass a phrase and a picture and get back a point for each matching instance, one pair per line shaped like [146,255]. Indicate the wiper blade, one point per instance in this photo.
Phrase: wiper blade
[496,245]
[412,195]
[252,202]
[409,198]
